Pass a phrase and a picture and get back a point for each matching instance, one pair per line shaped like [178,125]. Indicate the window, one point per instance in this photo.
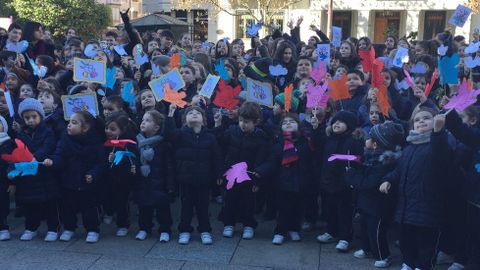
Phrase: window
[343,19]
[434,23]
[134,14]
[386,23]
[181,15]
[200,25]
[278,21]
[243,22]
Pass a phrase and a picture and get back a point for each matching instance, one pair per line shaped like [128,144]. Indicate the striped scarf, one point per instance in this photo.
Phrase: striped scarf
[289,151]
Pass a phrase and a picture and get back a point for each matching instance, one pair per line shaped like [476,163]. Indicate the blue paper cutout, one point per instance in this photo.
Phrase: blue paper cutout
[447,67]
[119,155]
[89,51]
[127,93]
[183,59]
[24,169]
[140,59]
[277,70]
[226,39]
[110,77]
[418,69]
[19,47]
[477,166]
[37,71]
[155,69]
[120,49]
[206,45]
[221,70]
[101,92]
[252,30]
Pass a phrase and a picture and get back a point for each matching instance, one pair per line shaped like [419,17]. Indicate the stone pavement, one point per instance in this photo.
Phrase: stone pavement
[126,253]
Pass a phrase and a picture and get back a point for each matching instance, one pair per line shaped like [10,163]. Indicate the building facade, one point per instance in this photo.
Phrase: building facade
[136,8]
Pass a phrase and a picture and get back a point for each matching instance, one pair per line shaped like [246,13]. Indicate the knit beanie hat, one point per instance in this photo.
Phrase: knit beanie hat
[161,60]
[280,99]
[259,69]
[347,117]
[388,135]
[31,104]
[4,124]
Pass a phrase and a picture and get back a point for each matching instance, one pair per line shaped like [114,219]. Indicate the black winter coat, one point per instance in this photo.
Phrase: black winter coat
[5,148]
[198,157]
[353,104]
[420,179]
[78,156]
[43,186]
[56,123]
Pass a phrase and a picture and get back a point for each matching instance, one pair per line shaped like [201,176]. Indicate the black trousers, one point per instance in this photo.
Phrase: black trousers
[197,198]
[419,246]
[473,221]
[36,212]
[290,212]
[453,239]
[374,236]
[240,206]
[85,202]
[4,209]
[162,215]
[339,212]
[116,202]
[310,201]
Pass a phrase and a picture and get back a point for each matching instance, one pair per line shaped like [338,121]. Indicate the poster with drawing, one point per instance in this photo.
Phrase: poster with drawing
[85,70]
[259,92]
[460,16]
[209,85]
[174,80]
[336,36]
[77,103]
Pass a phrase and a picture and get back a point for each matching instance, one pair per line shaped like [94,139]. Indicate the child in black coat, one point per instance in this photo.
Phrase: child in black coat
[155,183]
[292,159]
[380,157]
[6,147]
[243,143]
[336,194]
[420,178]
[80,157]
[198,162]
[121,173]
[52,105]
[37,194]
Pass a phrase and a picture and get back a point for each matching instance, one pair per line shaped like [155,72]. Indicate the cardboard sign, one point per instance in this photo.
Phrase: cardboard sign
[460,16]
[401,57]
[174,80]
[323,51]
[336,36]
[86,70]
[209,85]
[77,103]
[259,92]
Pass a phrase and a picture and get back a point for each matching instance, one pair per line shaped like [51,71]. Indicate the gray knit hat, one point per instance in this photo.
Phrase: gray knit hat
[388,134]
[4,124]
[31,104]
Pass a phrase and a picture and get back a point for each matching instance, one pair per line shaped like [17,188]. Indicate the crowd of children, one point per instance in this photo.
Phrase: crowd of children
[416,164]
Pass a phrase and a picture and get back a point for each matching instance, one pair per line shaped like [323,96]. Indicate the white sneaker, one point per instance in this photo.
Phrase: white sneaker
[107,219]
[66,236]
[228,231]
[444,258]
[164,237]
[360,254]
[383,263]
[122,232]
[295,236]
[184,238]
[325,238]
[4,235]
[307,226]
[206,238]
[456,266]
[28,235]
[278,239]
[406,267]
[342,246]
[51,237]
[141,235]
[92,237]
[248,233]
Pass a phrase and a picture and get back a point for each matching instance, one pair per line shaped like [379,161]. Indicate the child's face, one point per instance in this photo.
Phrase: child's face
[222,48]
[423,122]
[345,50]
[186,40]
[236,50]
[166,42]
[362,45]
[152,45]
[339,72]
[101,56]
[304,67]
[148,125]
[339,127]
[277,109]
[353,81]
[198,100]
[287,55]
[119,75]
[32,119]
[370,144]
[187,75]
[289,125]
[113,131]
[233,114]
[47,101]
[26,91]
[147,100]
[76,126]
[420,83]
[246,125]
[109,108]
[374,115]
[466,119]
[11,82]
[230,72]
[197,48]
[387,79]
[194,117]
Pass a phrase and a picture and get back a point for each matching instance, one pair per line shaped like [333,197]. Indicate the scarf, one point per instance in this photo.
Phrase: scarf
[3,137]
[146,151]
[415,137]
[371,156]
[289,151]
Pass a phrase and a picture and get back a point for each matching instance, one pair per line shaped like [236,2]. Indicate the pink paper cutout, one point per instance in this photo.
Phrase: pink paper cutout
[408,79]
[319,73]
[343,157]
[463,99]
[237,173]
[317,97]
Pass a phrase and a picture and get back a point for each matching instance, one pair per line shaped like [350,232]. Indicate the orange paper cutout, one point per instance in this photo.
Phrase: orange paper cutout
[429,86]
[288,97]
[175,60]
[368,58]
[174,97]
[339,88]
[382,100]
